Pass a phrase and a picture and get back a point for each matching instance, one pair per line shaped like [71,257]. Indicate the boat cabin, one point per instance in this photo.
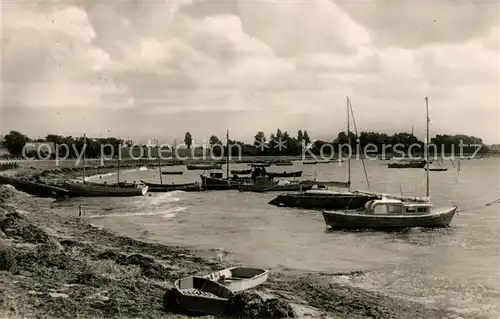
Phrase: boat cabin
[386,206]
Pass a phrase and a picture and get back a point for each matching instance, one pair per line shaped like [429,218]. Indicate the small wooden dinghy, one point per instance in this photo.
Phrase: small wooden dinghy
[201,295]
[241,171]
[239,278]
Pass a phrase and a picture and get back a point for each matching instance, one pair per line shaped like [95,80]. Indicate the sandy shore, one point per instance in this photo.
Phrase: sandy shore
[63,267]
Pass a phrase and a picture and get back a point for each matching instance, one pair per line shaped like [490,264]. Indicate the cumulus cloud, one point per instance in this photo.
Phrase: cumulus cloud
[284,58]
[48,59]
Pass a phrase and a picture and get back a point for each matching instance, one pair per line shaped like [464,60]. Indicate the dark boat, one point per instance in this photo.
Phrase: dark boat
[185,187]
[259,164]
[284,163]
[436,169]
[285,174]
[322,199]
[390,214]
[38,189]
[202,167]
[241,172]
[412,164]
[264,184]
[172,173]
[219,183]
[81,189]
[310,162]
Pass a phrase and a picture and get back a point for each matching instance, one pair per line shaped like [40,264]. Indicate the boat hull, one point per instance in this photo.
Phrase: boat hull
[285,174]
[201,296]
[275,188]
[78,189]
[408,165]
[239,278]
[322,201]
[436,169]
[358,220]
[35,188]
[185,187]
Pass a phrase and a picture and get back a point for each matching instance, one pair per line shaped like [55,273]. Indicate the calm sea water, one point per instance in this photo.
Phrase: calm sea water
[456,268]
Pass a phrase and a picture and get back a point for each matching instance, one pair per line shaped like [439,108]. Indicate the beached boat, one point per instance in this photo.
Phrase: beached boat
[84,189]
[203,167]
[172,173]
[389,214]
[35,188]
[201,295]
[285,174]
[241,171]
[239,278]
[264,184]
[185,187]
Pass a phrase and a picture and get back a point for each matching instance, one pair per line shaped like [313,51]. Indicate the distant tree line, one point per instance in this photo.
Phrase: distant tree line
[280,143]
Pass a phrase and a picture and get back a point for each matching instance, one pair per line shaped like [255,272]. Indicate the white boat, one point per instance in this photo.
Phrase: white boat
[201,295]
[239,278]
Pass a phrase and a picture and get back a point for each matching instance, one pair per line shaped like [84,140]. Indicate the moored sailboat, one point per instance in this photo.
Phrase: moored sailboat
[389,213]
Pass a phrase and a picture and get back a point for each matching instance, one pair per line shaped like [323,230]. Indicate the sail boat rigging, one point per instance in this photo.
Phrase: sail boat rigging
[394,213]
[186,187]
[328,199]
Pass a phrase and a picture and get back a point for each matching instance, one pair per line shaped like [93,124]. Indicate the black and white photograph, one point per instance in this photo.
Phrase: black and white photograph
[312,159]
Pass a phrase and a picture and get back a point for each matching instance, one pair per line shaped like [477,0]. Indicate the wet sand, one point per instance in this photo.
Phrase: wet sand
[64,267]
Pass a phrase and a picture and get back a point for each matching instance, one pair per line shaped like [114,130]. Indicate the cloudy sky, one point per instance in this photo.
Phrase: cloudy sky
[159,68]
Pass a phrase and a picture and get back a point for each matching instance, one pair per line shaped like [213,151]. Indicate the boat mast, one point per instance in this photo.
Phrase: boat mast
[83,150]
[159,161]
[227,154]
[427,146]
[118,171]
[349,142]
